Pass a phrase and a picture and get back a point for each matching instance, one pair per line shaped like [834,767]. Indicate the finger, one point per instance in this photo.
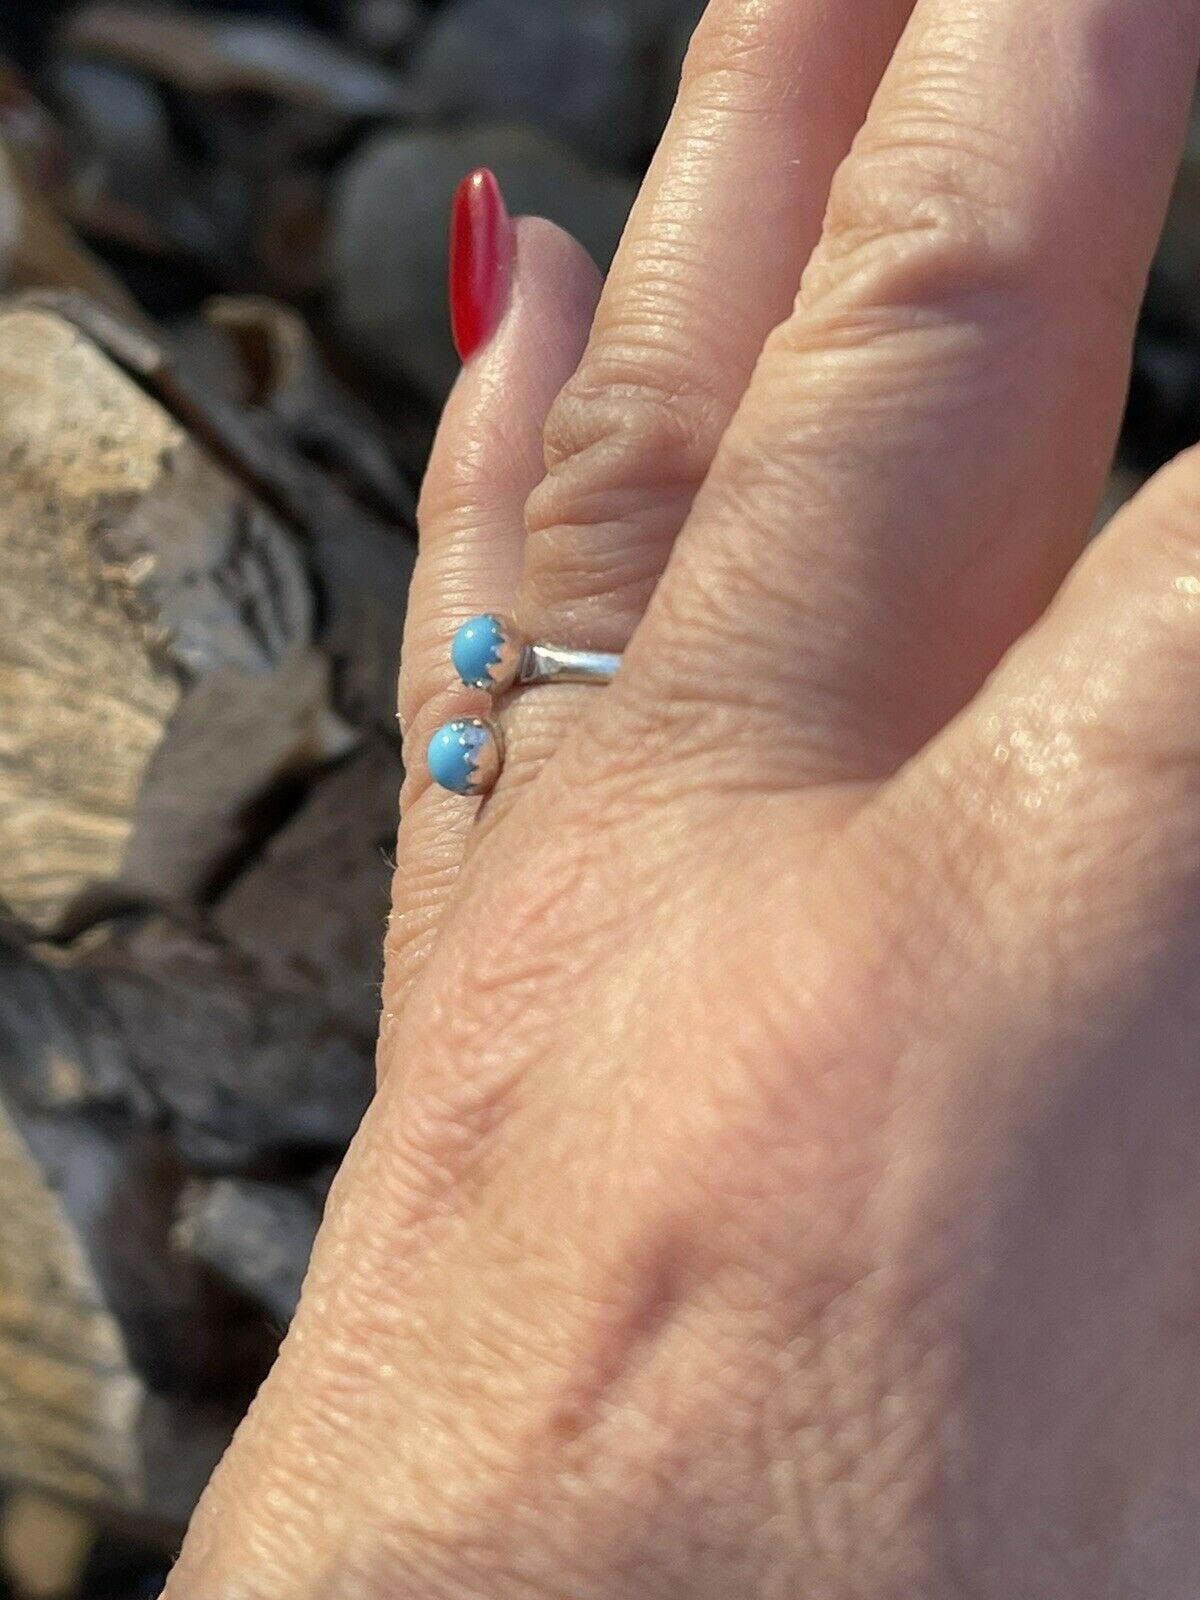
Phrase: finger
[772,95]
[1047,843]
[925,440]
[1032,882]
[1072,780]
[486,458]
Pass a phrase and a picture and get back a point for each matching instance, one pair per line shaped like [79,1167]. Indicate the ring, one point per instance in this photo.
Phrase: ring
[466,756]
[489,654]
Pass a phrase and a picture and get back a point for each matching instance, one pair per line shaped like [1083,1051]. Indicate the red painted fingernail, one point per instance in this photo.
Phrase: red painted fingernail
[481,258]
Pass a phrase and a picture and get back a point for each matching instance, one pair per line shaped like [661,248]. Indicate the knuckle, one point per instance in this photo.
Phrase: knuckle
[933,210]
[632,416]
[737,59]
[625,455]
[922,216]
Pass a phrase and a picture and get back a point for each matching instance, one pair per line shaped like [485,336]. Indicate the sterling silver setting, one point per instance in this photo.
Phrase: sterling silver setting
[547,663]
[488,654]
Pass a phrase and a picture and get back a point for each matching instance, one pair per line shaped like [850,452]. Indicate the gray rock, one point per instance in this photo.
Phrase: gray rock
[117,114]
[662,15]
[580,71]
[677,36]
[258,1236]
[391,218]
[385,28]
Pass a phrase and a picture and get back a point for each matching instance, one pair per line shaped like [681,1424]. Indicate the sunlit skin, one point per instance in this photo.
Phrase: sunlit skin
[784,1182]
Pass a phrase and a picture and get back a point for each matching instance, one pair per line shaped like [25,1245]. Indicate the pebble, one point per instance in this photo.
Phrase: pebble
[680,27]
[384,28]
[577,70]
[118,114]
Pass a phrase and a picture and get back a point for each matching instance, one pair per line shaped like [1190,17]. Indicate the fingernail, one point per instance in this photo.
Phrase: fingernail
[465,756]
[482,246]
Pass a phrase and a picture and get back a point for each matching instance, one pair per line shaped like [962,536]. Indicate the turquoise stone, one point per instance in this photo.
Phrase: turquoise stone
[454,755]
[478,647]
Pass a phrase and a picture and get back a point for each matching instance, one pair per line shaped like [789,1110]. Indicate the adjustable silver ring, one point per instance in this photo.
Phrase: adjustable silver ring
[546,663]
[488,654]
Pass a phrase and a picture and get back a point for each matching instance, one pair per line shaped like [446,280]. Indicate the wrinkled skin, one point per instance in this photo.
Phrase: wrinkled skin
[785,1175]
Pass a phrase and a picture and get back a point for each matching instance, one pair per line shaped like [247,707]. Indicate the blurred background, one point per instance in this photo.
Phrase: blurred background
[223,346]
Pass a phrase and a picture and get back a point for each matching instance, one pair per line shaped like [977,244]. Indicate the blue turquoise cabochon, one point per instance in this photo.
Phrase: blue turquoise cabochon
[478,647]
[454,755]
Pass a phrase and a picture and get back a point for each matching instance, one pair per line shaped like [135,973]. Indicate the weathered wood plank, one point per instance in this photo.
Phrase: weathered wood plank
[157,672]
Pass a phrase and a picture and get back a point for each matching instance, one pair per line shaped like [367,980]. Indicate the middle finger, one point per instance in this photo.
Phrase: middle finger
[773,93]
[924,443]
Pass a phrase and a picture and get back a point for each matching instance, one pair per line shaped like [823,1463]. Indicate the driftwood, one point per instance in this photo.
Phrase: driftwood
[198,779]
[157,672]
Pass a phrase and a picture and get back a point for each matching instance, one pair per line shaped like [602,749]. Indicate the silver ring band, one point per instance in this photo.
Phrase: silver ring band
[547,663]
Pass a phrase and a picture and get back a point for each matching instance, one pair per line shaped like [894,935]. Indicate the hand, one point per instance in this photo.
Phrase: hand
[784,1175]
